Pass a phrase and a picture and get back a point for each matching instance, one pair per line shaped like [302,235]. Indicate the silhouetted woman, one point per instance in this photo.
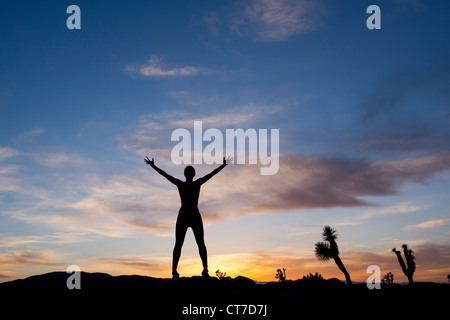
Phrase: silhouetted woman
[189,215]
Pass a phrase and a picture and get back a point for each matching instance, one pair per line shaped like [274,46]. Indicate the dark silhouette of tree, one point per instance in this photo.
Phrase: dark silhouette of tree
[410,266]
[329,249]
[281,275]
[313,277]
[220,275]
[388,278]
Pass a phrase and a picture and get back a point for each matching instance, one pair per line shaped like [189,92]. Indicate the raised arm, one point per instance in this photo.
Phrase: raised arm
[215,171]
[151,163]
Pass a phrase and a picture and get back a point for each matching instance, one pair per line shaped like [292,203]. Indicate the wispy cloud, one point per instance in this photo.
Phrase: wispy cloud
[155,67]
[7,152]
[235,116]
[133,265]
[55,159]
[429,224]
[404,207]
[13,181]
[153,131]
[112,207]
[274,20]
[59,159]
[29,135]
[57,238]
[29,258]
[187,98]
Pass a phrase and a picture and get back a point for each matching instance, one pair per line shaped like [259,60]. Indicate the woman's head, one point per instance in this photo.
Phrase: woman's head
[189,172]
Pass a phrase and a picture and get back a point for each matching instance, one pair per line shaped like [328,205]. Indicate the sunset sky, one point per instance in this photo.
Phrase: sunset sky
[363,118]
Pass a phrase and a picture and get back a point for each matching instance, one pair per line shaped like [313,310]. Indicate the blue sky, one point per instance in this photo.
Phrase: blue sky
[363,118]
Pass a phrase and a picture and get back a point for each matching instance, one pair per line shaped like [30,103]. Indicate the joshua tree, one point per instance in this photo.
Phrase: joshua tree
[220,275]
[281,275]
[410,266]
[329,249]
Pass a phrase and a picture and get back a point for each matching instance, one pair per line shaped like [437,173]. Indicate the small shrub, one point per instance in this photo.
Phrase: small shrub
[220,275]
[313,277]
[388,278]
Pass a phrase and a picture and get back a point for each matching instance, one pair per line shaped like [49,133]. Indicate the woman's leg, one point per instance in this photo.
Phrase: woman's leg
[180,232]
[197,228]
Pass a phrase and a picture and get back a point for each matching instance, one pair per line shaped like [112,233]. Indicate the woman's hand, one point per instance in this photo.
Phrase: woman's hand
[149,162]
[227,160]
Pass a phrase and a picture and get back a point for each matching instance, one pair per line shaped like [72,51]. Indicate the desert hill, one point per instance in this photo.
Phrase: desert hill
[133,296]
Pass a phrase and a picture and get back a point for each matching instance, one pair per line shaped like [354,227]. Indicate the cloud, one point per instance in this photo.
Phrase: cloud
[313,182]
[195,100]
[232,117]
[133,265]
[6,275]
[155,67]
[115,207]
[67,204]
[29,258]
[404,207]
[274,20]
[428,224]
[118,205]
[60,159]
[7,152]
[58,238]
[12,180]
[302,182]
[153,132]
[29,135]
